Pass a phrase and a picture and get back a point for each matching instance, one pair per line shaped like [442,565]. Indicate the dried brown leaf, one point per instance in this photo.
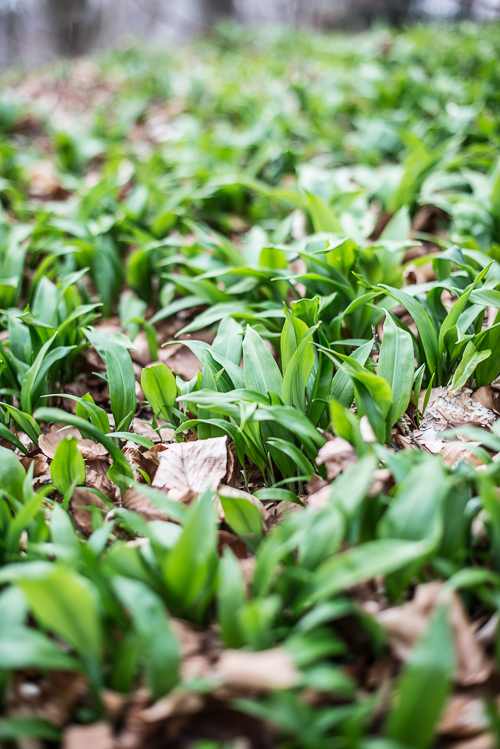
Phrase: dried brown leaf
[465,715]
[80,500]
[48,442]
[133,500]
[265,670]
[488,397]
[192,467]
[336,455]
[405,624]
[95,736]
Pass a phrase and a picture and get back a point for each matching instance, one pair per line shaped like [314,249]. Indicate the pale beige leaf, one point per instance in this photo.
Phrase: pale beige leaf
[405,624]
[265,670]
[97,736]
[192,466]
[336,455]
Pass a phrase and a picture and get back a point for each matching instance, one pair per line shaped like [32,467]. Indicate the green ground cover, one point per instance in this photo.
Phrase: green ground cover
[249,362]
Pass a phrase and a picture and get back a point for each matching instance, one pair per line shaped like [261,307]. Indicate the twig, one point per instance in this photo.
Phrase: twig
[409,433]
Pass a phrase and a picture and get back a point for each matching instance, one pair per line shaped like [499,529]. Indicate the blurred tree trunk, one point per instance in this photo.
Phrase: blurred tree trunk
[465,9]
[214,10]
[395,12]
[74,23]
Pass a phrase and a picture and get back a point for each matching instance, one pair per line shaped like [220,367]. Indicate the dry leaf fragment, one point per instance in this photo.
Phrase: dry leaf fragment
[80,500]
[49,442]
[133,500]
[192,467]
[265,670]
[97,478]
[465,715]
[337,455]
[488,397]
[95,736]
[407,623]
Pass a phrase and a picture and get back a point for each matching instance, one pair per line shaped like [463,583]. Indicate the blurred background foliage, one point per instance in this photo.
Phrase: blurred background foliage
[33,31]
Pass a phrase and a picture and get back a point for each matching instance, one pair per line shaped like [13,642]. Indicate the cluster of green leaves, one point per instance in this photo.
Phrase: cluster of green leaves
[254,217]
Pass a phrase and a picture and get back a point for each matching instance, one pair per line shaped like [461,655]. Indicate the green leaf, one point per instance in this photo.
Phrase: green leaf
[396,366]
[230,599]
[160,388]
[151,622]
[470,359]
[67,465]
[261,371]
[413,513]
[298,371]
[190,568]
[413,721]
[120,375]
[364,562]
[12,474]
[423,322]
[63,601]
[243,517]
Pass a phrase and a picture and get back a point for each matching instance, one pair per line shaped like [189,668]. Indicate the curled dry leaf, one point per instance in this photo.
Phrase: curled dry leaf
[49,442]
[465,715]
[336,455]
[97,736]
[173,705]
[140,462]
[96,478]
[488,397]
[80,500]
[265,670]
[405,624]
[133,500]
[188,467]
[225,538]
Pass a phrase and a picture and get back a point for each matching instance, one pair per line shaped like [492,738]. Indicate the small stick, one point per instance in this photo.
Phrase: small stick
[409,433]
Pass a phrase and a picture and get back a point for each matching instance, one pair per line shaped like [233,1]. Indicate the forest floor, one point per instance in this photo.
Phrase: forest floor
[249,375]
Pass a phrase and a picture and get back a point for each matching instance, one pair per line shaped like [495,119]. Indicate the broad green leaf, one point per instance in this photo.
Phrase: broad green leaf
[470,359]
[413,720]
[230,599]
[67,465]
[120,375]
[62,601]
[423,322]
[160,388]
[415,514]
[12,474]
[396,366]
[260,370]
[364,562]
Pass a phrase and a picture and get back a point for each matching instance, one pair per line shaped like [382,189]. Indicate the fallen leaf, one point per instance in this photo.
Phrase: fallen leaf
[448,411]
[96,478]
[96,736]
[192,466]
[336,455]
[488,397]
[265,670]
[49,442]
[405,624]
[133,500]
[83,517]
[464,715]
